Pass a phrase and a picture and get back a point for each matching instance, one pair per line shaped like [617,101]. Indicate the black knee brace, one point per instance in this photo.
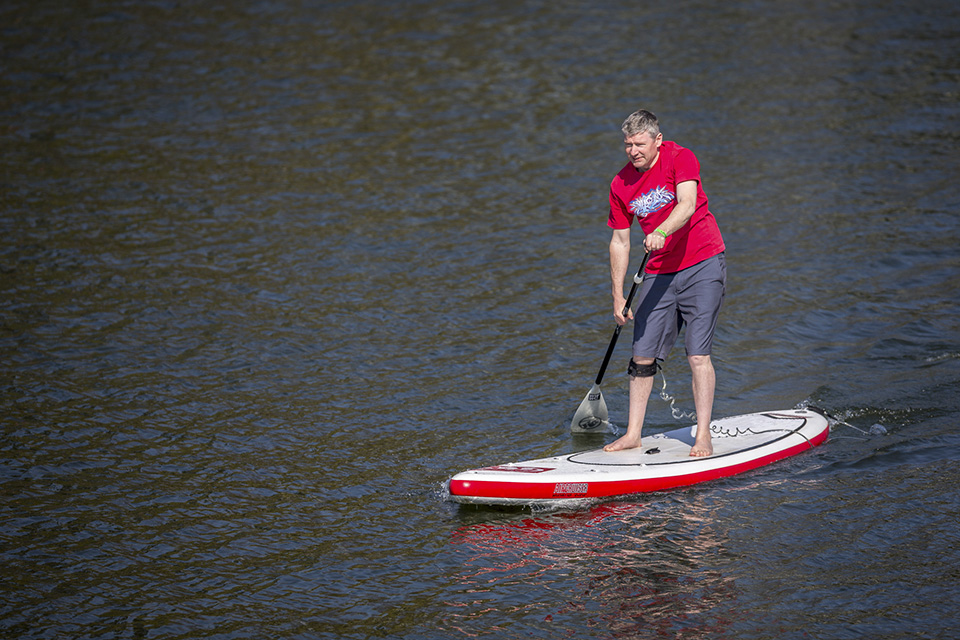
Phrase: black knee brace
[642,370]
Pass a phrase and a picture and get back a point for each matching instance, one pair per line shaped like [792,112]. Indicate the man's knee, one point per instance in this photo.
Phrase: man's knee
[700,362]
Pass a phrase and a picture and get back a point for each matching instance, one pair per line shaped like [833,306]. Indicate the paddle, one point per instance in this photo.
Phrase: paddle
[593,410]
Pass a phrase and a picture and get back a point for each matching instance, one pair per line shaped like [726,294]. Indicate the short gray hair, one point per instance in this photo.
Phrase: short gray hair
[640,121]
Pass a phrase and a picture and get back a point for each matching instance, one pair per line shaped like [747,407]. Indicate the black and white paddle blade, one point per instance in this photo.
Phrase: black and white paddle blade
[591,415]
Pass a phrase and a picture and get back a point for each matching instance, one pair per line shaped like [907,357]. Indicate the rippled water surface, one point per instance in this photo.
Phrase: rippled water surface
[271,272]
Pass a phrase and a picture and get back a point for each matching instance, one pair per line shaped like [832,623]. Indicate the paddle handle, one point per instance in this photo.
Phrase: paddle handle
[637,279]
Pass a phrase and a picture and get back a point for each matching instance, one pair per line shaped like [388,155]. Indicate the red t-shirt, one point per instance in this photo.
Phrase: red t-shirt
[651,196]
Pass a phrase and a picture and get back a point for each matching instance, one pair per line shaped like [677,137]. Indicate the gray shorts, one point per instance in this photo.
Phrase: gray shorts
[668,301]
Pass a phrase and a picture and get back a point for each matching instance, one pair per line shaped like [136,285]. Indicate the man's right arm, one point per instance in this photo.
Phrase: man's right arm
[619,262]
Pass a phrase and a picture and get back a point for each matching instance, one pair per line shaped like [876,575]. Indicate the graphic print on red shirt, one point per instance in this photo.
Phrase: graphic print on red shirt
[651,202]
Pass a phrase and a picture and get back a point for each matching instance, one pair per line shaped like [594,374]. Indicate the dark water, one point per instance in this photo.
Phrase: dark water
[270,272]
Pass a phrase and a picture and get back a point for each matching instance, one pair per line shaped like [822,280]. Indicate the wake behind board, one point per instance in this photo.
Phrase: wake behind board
[740,443]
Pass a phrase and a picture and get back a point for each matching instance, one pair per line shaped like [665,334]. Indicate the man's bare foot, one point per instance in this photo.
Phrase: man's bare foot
[626,442]
[702,449]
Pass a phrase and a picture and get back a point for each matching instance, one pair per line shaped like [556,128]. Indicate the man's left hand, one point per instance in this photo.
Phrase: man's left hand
[654,242]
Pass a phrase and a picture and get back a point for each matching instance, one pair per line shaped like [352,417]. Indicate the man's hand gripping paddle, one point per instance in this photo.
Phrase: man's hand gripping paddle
[592,413]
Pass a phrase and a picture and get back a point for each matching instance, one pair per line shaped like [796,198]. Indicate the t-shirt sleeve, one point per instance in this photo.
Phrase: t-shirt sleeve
[685,166]
[620,217]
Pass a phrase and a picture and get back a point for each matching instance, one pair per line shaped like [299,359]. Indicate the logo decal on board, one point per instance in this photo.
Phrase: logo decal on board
[651,201]
[518,469]
[570,489]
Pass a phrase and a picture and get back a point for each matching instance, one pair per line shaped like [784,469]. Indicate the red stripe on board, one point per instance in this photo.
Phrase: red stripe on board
[546,491]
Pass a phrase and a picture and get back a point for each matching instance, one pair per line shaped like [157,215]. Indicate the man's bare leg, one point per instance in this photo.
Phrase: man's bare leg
[640,388]
[704,384]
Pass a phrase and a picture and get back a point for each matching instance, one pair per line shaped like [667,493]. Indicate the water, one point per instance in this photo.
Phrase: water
[271,272]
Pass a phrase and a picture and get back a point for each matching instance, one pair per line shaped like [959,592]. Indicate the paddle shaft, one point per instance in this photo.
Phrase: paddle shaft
[637,279]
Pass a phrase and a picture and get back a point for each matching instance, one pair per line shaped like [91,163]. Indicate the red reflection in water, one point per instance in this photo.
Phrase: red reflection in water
[537,529]
[629,569]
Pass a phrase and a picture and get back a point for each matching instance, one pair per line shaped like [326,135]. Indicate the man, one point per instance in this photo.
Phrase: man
[660,188]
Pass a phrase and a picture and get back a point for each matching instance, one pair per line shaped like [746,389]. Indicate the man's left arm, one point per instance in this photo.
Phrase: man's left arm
[681,214]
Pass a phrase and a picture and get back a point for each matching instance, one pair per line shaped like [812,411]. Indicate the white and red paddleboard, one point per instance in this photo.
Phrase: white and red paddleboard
[740,443]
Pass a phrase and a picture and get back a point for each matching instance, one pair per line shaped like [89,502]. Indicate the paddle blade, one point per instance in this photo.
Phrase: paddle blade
[591,415]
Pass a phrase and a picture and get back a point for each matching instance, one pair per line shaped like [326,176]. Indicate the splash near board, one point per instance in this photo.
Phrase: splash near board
[740,443]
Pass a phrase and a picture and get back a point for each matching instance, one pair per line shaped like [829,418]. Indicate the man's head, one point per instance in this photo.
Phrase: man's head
[640,121]
[642,139]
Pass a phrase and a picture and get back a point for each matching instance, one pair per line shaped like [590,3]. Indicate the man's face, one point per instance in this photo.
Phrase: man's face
[643,149]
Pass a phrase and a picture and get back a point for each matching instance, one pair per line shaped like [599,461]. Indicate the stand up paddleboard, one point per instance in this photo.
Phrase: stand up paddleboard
[740,443]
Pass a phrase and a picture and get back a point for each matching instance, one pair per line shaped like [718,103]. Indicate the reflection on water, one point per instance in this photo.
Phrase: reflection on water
[627,567]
